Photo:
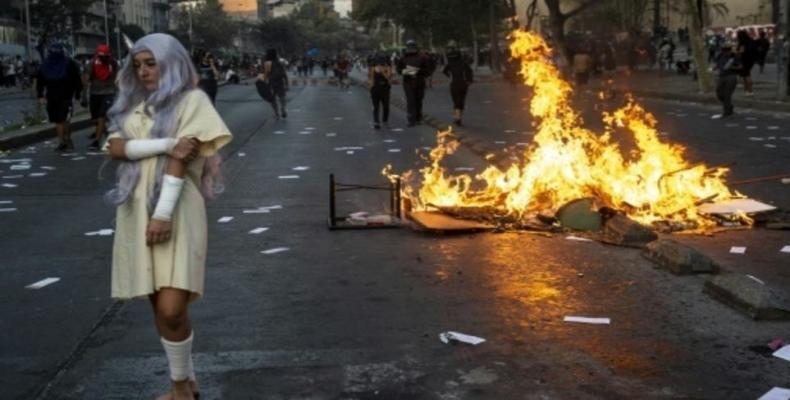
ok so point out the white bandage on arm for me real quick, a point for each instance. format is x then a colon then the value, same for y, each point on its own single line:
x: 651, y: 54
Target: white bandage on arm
x: 137, y: 149
x: 168, y: 197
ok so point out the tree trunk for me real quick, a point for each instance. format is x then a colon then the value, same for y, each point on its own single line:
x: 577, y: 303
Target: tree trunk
x: 698, y: 48
x: 532, y: 12
x: 493, y: 54
x: 475, y: 44
x: 656, y: 15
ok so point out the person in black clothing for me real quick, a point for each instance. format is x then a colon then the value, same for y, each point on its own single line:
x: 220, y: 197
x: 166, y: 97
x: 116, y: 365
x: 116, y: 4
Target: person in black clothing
x: 379, y: 75
x: 763, y: 46
x: 57, y: 84
x: 273, y: 73
x: 461, y: 76
x: 728, y: 66
x: 207, y: 70
x: 414, y: 68
x: 747, y: 51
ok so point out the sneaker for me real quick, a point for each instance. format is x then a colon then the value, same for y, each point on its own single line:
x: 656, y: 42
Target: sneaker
x: 458, y: 122
x: 94, y: 146
x: 376, y: 126
x: 749, y: 94
x: 69, y: 145
x: 285, y: 114
x: 61, y: 147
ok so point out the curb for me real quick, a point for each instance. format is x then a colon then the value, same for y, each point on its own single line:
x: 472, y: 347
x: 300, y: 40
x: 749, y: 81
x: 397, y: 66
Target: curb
x: 22, y: 137
x: 762, y: 105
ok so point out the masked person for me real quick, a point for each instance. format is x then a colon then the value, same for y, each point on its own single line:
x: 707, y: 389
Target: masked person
x: 461, y: 76
x: 273, y: 83
x: 728, y: 65
x: 166, y: 133
x: 99, y: 77
x: 414, y: 68
x: 379, y: 80
x: 57, y: 84
x: 208, y: 75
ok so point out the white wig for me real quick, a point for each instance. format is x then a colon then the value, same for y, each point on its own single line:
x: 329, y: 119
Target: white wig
x: 177, y: 76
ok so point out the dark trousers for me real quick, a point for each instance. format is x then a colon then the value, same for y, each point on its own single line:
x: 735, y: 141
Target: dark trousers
x: 380, y: 95
x: 210, y: 87
x: 725, y: 87
x: 415, y: 92
x: 458, y: 93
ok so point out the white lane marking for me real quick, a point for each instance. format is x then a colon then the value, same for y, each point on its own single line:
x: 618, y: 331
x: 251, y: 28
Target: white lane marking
x: 40, y: 284
x: 275, y: 250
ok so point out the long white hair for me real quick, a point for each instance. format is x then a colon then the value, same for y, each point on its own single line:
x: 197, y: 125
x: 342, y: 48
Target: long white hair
x: 177, y: 76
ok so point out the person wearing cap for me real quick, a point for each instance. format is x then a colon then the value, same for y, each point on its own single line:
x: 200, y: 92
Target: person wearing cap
x: 58, y: 82
x: 99, y: 77
x: 461, y: 76
x: 414, y: 68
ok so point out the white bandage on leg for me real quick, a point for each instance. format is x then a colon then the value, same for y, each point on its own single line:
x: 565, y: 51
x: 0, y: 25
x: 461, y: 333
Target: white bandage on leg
x: 168, y: 197
x: 178, y: 357
x: 137, y: 149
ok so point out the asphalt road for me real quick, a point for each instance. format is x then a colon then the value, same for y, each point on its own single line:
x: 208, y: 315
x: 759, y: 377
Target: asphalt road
x: 356, y: 314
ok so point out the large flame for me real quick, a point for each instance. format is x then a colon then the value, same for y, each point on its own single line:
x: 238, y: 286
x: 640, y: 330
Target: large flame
x: 567, y: 161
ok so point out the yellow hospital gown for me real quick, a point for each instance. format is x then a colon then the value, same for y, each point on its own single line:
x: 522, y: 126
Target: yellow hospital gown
x: 140, y: 270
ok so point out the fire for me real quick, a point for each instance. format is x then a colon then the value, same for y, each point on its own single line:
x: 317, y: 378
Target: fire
x: 566, y: 161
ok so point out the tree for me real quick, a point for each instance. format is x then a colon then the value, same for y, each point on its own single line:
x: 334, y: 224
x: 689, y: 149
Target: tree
x: 211, y: 27
x: 695, y: 10
x: 135, y: 32
x: 558, y: 18
x: 56, y: 19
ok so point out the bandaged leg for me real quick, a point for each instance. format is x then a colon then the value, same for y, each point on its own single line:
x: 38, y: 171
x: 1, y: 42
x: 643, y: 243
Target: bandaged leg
x: 179, y: 358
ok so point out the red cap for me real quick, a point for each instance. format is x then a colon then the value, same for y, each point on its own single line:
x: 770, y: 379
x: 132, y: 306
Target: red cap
x: 102, y: 50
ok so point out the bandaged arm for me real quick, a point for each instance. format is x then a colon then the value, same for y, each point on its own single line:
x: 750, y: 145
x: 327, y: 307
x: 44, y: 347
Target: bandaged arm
x: 172, y: 185
x: 137, y: 149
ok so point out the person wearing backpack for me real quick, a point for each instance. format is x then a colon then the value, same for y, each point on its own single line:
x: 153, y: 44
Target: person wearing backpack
x: 275, y: 80
x: 99, y: 77
x: 379, y: 80
x: 59, y: 82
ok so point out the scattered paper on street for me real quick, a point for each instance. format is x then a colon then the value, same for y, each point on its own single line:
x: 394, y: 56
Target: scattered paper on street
x: 394, y: 150
x: 37, y: 174
x: 578, y: 239
x: 48, y: 168
x: 279, y: 132
x: 450, y: 336
x: 756, y: 279
x: 288, y: 177
x: 734, y: 206
x: 783, y: 353
x: 7, y: 209
x: 770, y: 146
x: 6, y: 202
x: 785, y: 249
x: 738, y: 250
x: 300, y: 168
x: 588, y: 320
x: 40, y: 284
x: 275, y: 250
x: 225, y: 219
x: 331, y: 134
x: 467, y: 169
x: 258, y: 230
x: 20, y: 167
x: 776, y: 393
x: 242, y: 154
x: 9, y: 185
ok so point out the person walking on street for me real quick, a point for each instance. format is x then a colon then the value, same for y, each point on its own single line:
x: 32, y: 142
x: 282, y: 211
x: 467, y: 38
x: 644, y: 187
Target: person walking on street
x: 379, y: 80
x: 208, y: 74
x: 11, y: 73
x: 461, y: 76
x: 413, y: 67
x: 763, y: 47
x: 728, y: 66
x: 166, y: 133
x: 275, y: 79
x: 747, y: 53
x: 343, y: 68
x: 99, y: 77
x: 57, y: 84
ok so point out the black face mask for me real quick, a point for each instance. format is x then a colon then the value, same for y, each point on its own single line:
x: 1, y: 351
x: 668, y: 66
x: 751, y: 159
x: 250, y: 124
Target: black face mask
x: 104, y: 59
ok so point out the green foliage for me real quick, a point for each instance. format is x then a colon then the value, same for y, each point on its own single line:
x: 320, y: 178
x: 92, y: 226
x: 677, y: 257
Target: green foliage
x: 54, y: 18
x: 212, y: 28
x: 134, y: 32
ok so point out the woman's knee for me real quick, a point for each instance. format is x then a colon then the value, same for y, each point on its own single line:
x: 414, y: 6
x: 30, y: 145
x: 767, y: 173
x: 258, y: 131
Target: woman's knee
x: 171, y: 315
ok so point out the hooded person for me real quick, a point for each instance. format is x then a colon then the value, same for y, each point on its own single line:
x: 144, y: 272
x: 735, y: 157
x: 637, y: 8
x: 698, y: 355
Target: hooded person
x: 166, y: 134
x: 414, y: 67
x: 99, y: 76
x: 461, y: 76
x: 57, y: 84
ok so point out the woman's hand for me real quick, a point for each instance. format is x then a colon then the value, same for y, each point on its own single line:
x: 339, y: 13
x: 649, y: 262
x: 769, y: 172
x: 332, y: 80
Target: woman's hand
x: 186, y: 149
x: 157, y: 232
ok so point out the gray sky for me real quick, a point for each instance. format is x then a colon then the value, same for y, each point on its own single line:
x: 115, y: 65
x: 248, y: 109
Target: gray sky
x: 343, y: 7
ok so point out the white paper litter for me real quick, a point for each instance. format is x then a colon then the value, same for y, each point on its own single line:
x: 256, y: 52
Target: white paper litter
x: 751, y: 127
x: 7, y: 209
x: 738, y: 250
x: 274, y: 207
x: 756, y: 279
x: 101, y: 232
x: 773, y: 128
x: 306, y: 133
x: 756, y: 139
x: 300, y: 168
x: 258, y: 230
x: 785, y: 249
x: 331, y: 134
x: 350, y: 152
x: 9, y: 185
x: 13, y: 176
x: 256, y: 211
x: 389, y: 140
x: 37, y: 174
x: 397, y: 129
x: 345, y: 148
x: 735, y: 206
x: 40, y: 284
x: 288, y: 177
x: 78, y: 158
x: 20, y: 167
x: 776, y: 393
x: 48, y: 168
x: 770, y: 146
x: 448, y: 336
x: 338, y: 118
x: 275, y: 250
x: 309, y: 128
x: 242, y: 154
x: 468, y: 169
x: 783, y: 353
x: 6, y: 202
x: 279, y: 132
x: 588, y: 320
x: 394, y: 150
x: 225, y: 220
x: 578, y: 239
